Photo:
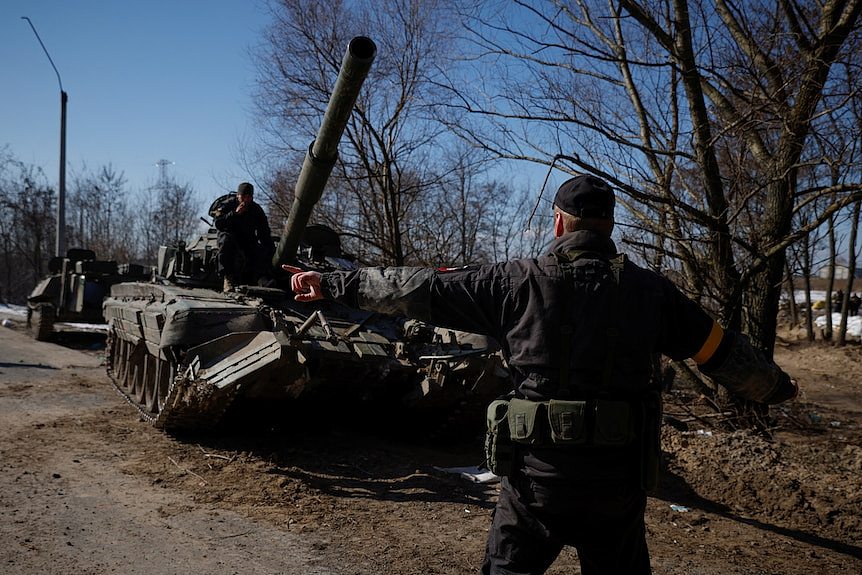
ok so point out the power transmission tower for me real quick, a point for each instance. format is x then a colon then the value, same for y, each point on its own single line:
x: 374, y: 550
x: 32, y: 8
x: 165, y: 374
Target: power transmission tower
x: 164, y: 180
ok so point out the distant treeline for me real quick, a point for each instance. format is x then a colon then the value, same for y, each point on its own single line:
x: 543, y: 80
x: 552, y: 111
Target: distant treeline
x: 101, y: 215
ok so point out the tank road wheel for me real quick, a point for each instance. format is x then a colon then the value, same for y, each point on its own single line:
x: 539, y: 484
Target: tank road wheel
x: 117, y: 362
x: 143, y: 379
x: 126, y: 368
x: 135, y: 371
x: 122, y: 364
x: 166, y: 371
x: 151, y: 384
x: 131, y: 377
x: 40, y: 320
x: 111, y: 348
x: 119, y: 359
x: 138, y: 382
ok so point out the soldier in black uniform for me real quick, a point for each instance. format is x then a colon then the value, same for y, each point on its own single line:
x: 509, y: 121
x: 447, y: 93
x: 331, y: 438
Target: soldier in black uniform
x: 581, y: 328
x: 244, y: 240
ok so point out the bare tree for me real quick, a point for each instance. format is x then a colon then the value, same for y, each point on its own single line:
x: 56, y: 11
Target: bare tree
x: 99, y: 216
x: 851, y: 268
x: 27, y: 207
x: 456, y: 220
x: 836, y: 152
x: 167, y: 214
x: 514, y: 230
x: 803, y: 262
x: 394, y: 184
x: 853, y: 152
x: 701, y: 114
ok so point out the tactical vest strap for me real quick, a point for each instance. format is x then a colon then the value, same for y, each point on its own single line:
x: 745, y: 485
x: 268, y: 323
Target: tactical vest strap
x: 566, y: 351
x: 612, y: 333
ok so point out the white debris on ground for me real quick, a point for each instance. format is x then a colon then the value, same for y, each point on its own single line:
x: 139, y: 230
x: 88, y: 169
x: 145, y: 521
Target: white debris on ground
x: 474, y: 474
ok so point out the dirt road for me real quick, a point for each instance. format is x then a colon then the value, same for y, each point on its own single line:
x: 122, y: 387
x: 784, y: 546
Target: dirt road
x: 86, y: 487
x: 69, y: 502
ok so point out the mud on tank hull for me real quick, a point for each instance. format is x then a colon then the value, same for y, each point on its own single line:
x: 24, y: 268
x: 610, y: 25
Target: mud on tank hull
x: 183, y: 356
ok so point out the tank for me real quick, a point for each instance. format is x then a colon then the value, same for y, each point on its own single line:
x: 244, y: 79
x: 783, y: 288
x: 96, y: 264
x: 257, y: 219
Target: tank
x: 184, y: 353
x: 74, y: 289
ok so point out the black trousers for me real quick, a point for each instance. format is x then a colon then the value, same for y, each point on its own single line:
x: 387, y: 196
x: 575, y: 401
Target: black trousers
x: 532, y: 522
x: 245, y: 262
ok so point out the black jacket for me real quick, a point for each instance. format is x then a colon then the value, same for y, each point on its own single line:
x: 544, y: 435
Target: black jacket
x: 617, y: 329
x: 249, y: 228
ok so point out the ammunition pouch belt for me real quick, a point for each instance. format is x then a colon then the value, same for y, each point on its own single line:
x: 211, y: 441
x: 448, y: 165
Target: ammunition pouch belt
x: 558, y: 423
x: 498, y: 443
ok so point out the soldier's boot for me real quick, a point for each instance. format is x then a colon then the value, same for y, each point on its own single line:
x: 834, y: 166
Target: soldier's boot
x: 228, y: 284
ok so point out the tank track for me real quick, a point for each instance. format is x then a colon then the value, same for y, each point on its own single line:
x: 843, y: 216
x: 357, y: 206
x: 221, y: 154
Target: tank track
x: 175, y: 401
x: 40, y: 321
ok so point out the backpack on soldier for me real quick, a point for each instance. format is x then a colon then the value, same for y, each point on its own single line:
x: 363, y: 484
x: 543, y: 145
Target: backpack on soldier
x: 220, y: 206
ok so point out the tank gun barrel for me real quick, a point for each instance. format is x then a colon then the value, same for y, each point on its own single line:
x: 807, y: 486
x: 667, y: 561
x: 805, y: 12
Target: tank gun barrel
x: 323, y: 152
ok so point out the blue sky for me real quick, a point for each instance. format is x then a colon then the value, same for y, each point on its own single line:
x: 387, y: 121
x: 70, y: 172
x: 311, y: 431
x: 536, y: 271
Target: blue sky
x: 147, y: 80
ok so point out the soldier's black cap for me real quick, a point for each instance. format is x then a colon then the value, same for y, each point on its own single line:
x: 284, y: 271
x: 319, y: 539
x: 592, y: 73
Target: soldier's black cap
x: 245, y: 189
x: 587, y: 197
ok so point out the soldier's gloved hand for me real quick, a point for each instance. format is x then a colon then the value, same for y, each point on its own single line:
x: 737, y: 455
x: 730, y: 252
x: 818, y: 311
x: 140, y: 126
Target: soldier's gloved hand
x: 748, y: 373
x: 787, y: 388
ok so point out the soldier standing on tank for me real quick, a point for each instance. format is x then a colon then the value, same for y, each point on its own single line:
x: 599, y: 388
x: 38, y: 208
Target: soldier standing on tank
x: 244, y: 240
x: 581, y: 328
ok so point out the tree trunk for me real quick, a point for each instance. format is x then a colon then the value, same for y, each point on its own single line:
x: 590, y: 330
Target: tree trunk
x: 764, y: 290
x: 827, y: 334
x: 761, y: 309
x: 792, y: 310
x: 851, y: 267
x: 806, y: 278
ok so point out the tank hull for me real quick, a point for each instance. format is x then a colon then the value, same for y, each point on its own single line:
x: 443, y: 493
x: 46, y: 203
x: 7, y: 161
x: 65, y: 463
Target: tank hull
x: 74, y: 290
x: 183, y: 356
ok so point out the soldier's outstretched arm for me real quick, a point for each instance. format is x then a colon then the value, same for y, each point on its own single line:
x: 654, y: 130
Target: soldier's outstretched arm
x: 414, y: 292
x: 396, y: 290
x: 729, y: 359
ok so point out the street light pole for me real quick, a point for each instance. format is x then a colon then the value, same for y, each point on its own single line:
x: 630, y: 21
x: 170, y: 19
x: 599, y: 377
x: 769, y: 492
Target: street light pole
x: 61, y: 196
x: 60, y: 245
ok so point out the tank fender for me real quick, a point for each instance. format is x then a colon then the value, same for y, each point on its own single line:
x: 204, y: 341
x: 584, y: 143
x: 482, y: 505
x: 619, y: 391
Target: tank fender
x: 47, y: 290
x: 233, y: 359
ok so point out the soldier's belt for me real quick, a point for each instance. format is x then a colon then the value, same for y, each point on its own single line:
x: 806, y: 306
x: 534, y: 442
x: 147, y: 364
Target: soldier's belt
x: 556, y: 422
x: 573, y: 424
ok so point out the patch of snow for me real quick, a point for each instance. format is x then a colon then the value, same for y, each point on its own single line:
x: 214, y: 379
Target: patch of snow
x: 854, y: 323
x: 15, y: 310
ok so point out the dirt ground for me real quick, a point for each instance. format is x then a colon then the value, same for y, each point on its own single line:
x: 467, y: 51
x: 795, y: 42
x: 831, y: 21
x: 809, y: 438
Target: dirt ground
x: 86, y: 487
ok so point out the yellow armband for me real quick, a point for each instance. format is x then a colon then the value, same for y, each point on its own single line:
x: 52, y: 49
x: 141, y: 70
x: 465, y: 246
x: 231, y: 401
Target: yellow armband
x: 710, y: 345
